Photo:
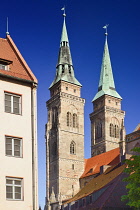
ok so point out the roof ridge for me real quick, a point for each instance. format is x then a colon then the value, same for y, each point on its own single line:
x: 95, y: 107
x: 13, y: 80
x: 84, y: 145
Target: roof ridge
x: 28, y: 70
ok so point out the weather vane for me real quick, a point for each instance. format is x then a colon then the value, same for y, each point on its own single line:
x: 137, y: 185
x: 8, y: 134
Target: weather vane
x: 64, y: 14
x: 105, y: 27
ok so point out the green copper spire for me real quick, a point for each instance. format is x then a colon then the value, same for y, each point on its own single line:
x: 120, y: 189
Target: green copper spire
x: 64, y: 68
x: 106, y: 82
x: 64, y: 36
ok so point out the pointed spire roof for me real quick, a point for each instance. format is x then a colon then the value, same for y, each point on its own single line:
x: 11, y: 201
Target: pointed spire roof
x: 64, y: 36
x: 106, y: 82
x: 64, y: 68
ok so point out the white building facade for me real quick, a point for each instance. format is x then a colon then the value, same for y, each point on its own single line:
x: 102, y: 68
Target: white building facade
x: 18, y: 131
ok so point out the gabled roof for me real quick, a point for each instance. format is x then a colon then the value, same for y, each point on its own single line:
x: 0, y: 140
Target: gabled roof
x: 92, y: 165
x: 99, y: 182
x: 18, y: 67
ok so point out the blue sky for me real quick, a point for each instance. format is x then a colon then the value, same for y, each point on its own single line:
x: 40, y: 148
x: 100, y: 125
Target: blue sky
x: 35, y: 26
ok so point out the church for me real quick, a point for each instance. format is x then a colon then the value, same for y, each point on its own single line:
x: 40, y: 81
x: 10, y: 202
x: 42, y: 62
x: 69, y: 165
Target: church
x: 67, y: 172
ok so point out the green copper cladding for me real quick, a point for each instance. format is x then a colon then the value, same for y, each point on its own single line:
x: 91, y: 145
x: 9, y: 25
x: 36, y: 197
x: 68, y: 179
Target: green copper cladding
x: 106, y: 82
x: 64, y: 68
x: 64, y: 36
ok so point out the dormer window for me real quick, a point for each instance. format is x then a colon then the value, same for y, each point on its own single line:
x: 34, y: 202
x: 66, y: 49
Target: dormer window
x: 4, y: 64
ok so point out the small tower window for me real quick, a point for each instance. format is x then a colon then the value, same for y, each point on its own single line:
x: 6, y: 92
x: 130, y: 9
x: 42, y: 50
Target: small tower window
x: 54, y: 116
x: 74, y: 120
x: 111, y: 130
x: 66, y: 88
x: 72, y: 148
x: 98, y: 131
x: 69, y: 120
x: 116, y: 131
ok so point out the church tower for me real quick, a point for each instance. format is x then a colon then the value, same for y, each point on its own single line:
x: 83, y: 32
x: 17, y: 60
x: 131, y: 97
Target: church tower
x: 64, y: 129
x: 107, y: 119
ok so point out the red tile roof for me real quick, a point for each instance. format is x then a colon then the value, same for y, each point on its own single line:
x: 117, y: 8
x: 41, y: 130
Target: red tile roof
x: 92, y: 165
x: 99, y: 182
x: 18, y: 68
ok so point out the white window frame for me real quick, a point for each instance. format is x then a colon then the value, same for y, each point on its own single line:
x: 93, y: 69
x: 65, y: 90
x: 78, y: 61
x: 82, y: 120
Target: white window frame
x: 13, y: 185
x: 12, y: 95
x: 4, y: 67
x: 13, y: 144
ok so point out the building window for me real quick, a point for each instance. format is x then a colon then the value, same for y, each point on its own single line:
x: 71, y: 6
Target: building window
x: 13, y: 146
x: 54, y: 116
x: 69, y: 120
x: 12, y: 103
x: 111, y: 130
x: 98, y: 130
x: 66, y: 88
x: 73, y: 148
x: 4, y: 67
x: 13, y: 188
x: 74, y: 120
x: 74, y: 90
x: 116, y: 131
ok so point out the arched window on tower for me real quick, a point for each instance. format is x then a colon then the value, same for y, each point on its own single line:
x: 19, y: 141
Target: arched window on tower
x: 116, y: 131
x: 98, y: 130
x: 111, y: 130
x: 74, y: 120
x: 72, y: 148
x: 54, y: 116
x: 69, y: 120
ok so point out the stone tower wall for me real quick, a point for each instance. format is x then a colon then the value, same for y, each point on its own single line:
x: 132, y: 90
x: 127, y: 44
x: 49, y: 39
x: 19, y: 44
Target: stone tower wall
x: 65, y: 168
x: 107, y: 110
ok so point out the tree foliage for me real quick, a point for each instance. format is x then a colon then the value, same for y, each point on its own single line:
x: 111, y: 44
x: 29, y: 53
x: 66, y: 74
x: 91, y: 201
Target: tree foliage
x: 133, y: 186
